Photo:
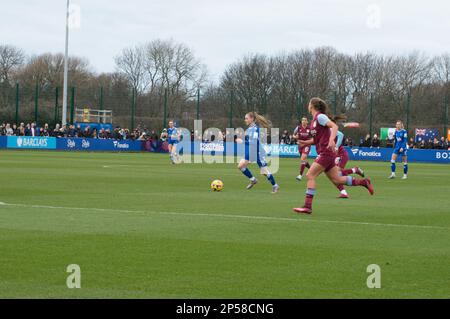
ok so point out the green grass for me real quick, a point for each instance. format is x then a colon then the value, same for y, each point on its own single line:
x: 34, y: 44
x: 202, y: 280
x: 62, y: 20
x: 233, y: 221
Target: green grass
x: 142, y: 228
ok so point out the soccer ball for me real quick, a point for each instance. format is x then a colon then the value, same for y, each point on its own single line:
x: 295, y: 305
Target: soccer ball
x: 217, y: 185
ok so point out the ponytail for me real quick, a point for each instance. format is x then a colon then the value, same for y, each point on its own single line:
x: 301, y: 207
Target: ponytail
x: 338, y: 118
x: 260, y: 120
x: 321, y: 106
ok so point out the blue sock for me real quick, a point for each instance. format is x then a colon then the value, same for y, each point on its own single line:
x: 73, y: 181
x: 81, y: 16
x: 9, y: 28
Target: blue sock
x: 405, y: 169
x: 393, y: 167
x: 247, y: 173
x: 271, y: 179
x: 349, y: 181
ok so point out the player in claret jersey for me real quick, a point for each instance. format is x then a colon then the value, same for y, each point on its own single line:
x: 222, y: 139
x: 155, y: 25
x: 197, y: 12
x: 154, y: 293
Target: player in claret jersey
x: 341, y: 161
x: 302, y: 133
x: 324, y: 132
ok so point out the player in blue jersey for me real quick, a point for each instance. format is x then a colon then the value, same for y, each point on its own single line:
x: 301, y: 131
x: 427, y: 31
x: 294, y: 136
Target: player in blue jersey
x: 400, y: 149
x: 254, y: 150
x: 173, y: 139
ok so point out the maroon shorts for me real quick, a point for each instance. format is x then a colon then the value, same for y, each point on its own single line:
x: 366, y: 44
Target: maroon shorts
x: 342, y: 158
x: 304, y: 150
x: 327, y: 160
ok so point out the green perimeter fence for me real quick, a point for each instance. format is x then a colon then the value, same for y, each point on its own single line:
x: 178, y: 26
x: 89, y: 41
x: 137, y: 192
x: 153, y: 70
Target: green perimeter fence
x: 44, y: 105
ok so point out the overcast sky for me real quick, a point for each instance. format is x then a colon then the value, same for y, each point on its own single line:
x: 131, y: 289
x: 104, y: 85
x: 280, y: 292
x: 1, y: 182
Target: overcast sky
x: 219, y: 32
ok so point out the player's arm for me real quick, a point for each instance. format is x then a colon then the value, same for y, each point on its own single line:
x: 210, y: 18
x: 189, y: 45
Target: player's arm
x: 405, y: 140
x: 325, y: 121
x: 306, y: 142
x: 340, y: 139
x: 334, y: 129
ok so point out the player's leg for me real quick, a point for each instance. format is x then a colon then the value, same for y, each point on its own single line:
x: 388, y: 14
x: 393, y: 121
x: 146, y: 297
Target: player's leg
x: 170, y: 153
x: 174, y: 153
x: 243, y: 167
x: 393, y: 166
x: 337, y: 179
x: 353, y: 170
x: 314, y: 171
x: 265, y: 171
x: 342, y: 192
x: 405, y: 166
x: 303, y: 164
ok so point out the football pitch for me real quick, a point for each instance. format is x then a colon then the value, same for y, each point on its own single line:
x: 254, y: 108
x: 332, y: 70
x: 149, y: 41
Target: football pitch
x: 139, y: 227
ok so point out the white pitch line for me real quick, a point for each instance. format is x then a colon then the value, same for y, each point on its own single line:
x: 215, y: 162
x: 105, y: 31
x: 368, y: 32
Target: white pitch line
x: 266, y: 218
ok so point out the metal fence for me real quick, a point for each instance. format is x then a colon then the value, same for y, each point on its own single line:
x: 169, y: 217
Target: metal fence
x: 44, y: 105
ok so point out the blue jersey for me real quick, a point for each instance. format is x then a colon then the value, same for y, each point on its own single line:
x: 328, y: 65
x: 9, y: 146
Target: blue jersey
x: 401, y: 139
x: 173, y: 137
x: 254, y: 150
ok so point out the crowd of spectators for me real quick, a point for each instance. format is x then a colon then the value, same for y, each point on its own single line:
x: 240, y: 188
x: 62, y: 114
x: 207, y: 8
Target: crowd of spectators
x: 69, y: 131
x: 144, y: 134
x: 375, y: 142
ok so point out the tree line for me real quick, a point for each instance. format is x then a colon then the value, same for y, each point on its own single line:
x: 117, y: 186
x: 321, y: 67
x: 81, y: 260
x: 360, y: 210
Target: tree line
x: 369, y: 88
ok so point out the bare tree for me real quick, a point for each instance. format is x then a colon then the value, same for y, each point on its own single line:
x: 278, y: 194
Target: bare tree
x: 11, y: 58
x: 441, y: 68
x: 47, y: 71
x: 131, y: 62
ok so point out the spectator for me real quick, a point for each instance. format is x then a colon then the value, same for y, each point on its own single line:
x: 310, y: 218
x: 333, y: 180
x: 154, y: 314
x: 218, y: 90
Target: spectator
x: 443, y: 144
x: 349, y: 142
x: 72, y: 132
x: 16, y: 130
x: 389, y: 142
x: 436, y: 144
x: 33, y: 131
x: 285, y: 139
x: 56, y: 131
x: 87, y: 132
x: 8, y: 130
x: 45, y: 131
x: 22, y: 129
x: 102, y: 135
x: 28, y: 129
x: 375, y: 141
x: 164, y: 135
x: 422, y: 144
x: 143, y: 137
x: 411, y: 143
x: 367, y: 141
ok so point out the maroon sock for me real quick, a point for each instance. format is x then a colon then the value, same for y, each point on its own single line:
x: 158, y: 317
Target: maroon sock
x: 308, y: 201
x: 359, y: 182
x: 340, y: 187
x: 307, y: 165
x: 302, y: 168
x: 346, y: 172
